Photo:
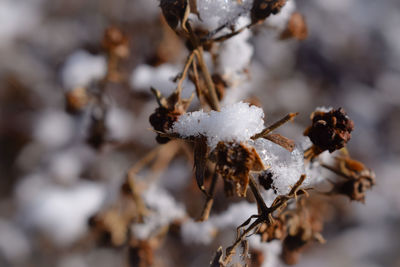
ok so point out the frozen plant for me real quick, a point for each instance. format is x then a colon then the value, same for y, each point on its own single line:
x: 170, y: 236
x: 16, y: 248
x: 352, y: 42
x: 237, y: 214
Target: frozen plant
x: 227, y: 143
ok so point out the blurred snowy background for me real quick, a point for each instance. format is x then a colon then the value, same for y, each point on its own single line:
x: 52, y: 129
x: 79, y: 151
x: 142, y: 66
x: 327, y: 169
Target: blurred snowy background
x: 52, y: 181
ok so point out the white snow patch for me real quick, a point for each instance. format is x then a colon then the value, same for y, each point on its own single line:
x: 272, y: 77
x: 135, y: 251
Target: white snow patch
x: 82, y: 68
x: 14, y: 245
x: 164, y: 210
x: 17, y: 18
x: 286, y: 167
x: 161, y: 78
x: 234, y: 57
x: 215, y: 13
x: 237, y: 122
x: 204, y: 232
x: 59, y: 212
x: 120, y: 123
x: 54, y: 128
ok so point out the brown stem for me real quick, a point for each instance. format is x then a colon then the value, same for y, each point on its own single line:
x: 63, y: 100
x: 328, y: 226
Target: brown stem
x: 210, y: 199
x: 257, y: 195
x: 275, y: 125
x: 207, y: 77
x: 183, y: 75
x: 230, y: 251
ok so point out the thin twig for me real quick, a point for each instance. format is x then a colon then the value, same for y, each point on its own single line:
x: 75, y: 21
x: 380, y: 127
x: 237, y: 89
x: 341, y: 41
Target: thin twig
x: 183, y: 75
x: 275, y: 125
x: 210, y: 199
x: 207, y: 77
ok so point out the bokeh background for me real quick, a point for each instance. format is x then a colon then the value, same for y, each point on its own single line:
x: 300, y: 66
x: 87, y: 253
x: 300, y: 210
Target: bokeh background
x: 52, y: 181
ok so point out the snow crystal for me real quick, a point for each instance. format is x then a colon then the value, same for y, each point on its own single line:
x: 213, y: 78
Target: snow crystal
x: 82, y: 68
x: 237, y: 122
x: 163, y: 210
x: 323, y: 109
x: 215, y: 13
x: 286, y: 167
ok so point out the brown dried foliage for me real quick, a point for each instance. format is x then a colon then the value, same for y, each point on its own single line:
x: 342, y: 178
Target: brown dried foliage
x: 264, y: 8
x: 234, y: 163
x: 296, y: 28
x: 330, y: 130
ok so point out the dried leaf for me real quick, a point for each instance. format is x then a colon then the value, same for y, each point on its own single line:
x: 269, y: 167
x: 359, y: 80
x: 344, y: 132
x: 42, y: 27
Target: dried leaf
x: 263, y: 8
x: 200, y: 159
x: 216, y: 262
x: 281, y: 140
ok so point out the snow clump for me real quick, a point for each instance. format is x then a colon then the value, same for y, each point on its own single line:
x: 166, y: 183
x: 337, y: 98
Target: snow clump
x: 234, y: 123
x: 215, y: 13
x: 82, y: 68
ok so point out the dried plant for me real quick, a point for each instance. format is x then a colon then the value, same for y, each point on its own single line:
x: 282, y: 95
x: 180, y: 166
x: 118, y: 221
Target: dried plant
x: 216, y: 155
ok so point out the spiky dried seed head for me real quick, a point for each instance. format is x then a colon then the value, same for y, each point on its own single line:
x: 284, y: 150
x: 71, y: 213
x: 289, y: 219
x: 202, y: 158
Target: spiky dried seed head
x: 264, y: 8
x: 162, y: 120
x: 234, y: 163
x: 173, y: 11
x: 330, y: 130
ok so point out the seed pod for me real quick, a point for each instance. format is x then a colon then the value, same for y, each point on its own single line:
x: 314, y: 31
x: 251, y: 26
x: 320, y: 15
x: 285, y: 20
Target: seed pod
x: 273, y: 231
x: 263, y: 8
x: 173, y: 11
x: 115, y: 42
x: 162, y: 119
x: 330, y: 130
x: 234, y: 163
x: 296, y: 28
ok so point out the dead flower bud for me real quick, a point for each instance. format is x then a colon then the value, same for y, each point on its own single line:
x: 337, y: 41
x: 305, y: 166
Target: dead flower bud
x: 263, y: 8
x: 76, y: 99
x: 330, y: 130
x: 141, y: 254
x: 115, y: 42
x: 257, y: 258
x: 275, y: 230
x: 234, y: 163
x: 359, y: 179
x: 162, y: 119
x: 303, y: 227
x: 173, y: 11
x: 167, y: 113
x: 296, y: 28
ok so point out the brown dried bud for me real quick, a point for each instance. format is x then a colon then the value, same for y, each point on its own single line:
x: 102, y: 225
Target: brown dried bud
x: 275, y: 230
x: 359, y: 179
x: 330, y: 130
x: 173, y: 11
x: 115, y: 42
x: 234, y: 163
x: 257, y: 258
x: 354, y: 189
x: 162, y: 120
x: 97, y: 132
x: 263, y: 8
x: 141, y: 254
x: 292, y: 247
x: 76, y: 99
x: 296, y: 28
